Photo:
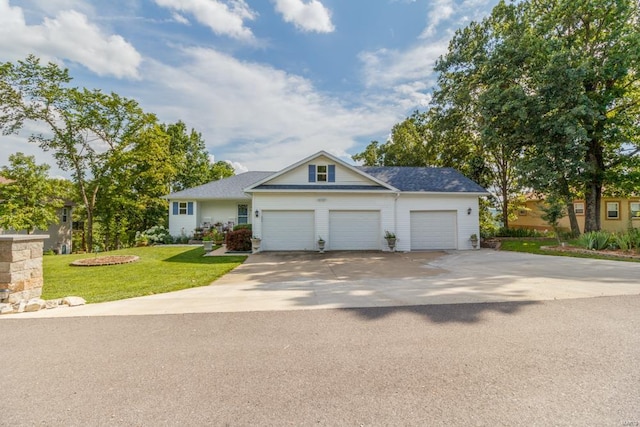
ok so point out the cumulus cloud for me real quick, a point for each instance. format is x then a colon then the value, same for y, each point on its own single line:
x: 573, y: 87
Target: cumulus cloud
x: 309, y: 16
x: 179, y: 18
x: 244, y: 108
x: 440, y: 10
x: 69, y: 35
x: 223, y: 18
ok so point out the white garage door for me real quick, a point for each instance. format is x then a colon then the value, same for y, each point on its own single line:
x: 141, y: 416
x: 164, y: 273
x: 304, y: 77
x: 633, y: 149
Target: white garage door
x: 288, y: 231
x: 354, y: 230
x: 433, y: 230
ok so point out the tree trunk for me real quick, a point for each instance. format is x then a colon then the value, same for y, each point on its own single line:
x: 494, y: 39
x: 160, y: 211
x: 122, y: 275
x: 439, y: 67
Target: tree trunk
x: 573, y: 220
x: 593, y: 196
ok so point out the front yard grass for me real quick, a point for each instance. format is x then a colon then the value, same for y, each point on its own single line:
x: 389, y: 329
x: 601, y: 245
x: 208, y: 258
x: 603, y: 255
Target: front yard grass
x: 532, y: 246
x: 160, y: 269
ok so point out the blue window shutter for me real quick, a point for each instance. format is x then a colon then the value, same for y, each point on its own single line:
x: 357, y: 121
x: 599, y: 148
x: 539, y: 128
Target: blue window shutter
x: 175, y: 208
x: 332, y: 173
x: 312, y: 173
x: 190, y: 208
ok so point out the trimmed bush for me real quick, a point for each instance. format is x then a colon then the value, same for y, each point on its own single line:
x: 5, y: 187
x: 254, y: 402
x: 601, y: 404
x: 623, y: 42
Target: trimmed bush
x: 239, y: 240
x: 242, y: 227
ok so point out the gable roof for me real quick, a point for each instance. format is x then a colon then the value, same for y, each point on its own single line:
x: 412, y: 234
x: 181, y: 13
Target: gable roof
x: 395, y: 178
x: 226, y: 188
x: 424, y: 179
x: 263, y: 184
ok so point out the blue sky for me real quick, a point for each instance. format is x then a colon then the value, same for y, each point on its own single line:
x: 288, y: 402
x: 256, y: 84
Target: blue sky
x: 266, y: 82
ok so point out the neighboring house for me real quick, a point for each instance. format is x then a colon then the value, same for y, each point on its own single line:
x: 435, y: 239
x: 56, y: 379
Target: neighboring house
x: 616, y: 214
x: 350, y: 207
x: 59, y: 234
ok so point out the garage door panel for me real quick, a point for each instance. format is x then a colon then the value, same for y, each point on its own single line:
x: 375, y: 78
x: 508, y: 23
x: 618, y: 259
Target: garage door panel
x: 354, y: 230
x: 288, y: 230
x: 433, y: 230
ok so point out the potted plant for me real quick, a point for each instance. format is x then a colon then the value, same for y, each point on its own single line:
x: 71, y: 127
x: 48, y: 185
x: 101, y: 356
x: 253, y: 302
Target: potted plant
x: 255, y: 244
x: 218, y: 237
x: 474, y: 240
x: 207, y: 243
x: 391, y: 240
x: 321, y: 243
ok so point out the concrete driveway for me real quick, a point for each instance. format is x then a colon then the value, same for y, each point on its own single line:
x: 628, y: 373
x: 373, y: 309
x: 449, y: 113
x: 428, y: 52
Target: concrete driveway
x: 298, y: 281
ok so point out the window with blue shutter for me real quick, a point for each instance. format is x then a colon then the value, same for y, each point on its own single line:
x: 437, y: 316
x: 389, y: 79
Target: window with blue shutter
x: 190, y: 208
x: 312, y: 173
x: 332, y: 173
x: 175, y: 208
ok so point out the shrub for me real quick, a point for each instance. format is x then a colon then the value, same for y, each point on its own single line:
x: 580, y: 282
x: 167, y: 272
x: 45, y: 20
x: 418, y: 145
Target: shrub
x: 519, y: 232
x: 242, y: 227
x: 239, y: 240
x: 595, y: 240
x: 154, y: 235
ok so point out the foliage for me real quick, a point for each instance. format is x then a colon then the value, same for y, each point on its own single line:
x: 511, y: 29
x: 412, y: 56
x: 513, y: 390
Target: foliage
x: 595, y: 240
x: 190, y: 158
x: 519, y: 232
x: 31, y: 199
x: 120, y: 159
x: 239, y: 240
x: 154, y: 235
x: 160, y: 269
x: 389, y: 235
x: 534, y: 247
x: 553, y: 211
x: 242, y: 227
x: 601, y: 240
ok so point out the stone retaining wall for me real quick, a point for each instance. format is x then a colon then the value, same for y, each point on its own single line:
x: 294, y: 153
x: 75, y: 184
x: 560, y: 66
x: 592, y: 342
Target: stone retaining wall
x: 21, y: 266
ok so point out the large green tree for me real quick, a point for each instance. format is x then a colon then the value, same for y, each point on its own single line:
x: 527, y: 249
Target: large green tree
x: 86, y: 127
x: 191, y: 159
x: 551, y: 87
x: 30, y: 200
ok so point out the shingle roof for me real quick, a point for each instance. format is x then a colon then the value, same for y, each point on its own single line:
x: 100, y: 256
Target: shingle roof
x: 227, y: 188
x: 414, y: 179
x: 417, y: 179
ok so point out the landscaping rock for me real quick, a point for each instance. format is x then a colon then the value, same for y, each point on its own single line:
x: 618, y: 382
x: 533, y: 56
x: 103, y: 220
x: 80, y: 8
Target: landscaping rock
x: 6, y: 308
x: 35, y: 304
x: 20, y: 306
x: 53, y: 303
x: 73, y: 301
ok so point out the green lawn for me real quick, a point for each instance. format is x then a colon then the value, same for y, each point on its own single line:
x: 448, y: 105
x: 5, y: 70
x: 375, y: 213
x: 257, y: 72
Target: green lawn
x: 160, y: 269
x: 533, y: 247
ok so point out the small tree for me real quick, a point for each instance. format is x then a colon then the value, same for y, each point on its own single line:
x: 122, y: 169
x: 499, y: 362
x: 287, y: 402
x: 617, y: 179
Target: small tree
x: 554, y: 210
x: 30, y: 200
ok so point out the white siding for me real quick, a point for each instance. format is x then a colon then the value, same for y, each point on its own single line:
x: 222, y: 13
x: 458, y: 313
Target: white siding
x: 354, y: 230
x: 182, y: 224
x: 467, y: 224
x: 321, y: 204
x: 300, y: 175
x: 433, y: 230
x: 288, y: 231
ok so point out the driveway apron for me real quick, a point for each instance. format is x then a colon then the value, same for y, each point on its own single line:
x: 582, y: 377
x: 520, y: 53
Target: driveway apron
x: 297, y: 281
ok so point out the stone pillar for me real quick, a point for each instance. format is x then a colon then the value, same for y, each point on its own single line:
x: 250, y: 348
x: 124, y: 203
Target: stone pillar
x: 21, y: 265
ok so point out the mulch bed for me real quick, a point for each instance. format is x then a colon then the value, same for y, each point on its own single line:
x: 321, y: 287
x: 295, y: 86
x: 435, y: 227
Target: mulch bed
x: 607, y: 253
x: 105, y: 260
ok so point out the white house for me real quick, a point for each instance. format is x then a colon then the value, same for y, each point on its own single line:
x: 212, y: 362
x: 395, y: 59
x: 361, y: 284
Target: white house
x: 350, y: 207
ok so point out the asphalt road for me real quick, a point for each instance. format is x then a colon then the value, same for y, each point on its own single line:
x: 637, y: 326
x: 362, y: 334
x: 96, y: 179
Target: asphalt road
x: 565, y: 362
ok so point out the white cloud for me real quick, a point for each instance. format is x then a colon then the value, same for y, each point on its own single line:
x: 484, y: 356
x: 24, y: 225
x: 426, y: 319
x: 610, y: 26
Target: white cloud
x: 179, y: 18
x: 389, y: 68
x: 441, y: 10
x: 223, y: 18
x: 256, y: 115
x: 69, y: 35
x: 306, y: 16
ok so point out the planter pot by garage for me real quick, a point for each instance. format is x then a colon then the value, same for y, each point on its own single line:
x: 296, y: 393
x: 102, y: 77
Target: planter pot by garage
x: 391, y: 242
x: 207, y: 245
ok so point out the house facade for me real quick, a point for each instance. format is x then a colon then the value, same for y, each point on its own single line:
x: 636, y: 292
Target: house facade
x: 616, y: 214
x: 349, y: 207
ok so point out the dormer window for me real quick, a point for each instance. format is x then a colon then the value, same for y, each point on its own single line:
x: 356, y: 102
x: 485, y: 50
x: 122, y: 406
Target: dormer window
x: 322, y: 173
